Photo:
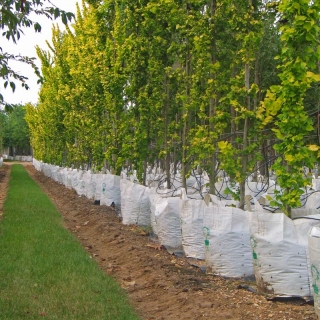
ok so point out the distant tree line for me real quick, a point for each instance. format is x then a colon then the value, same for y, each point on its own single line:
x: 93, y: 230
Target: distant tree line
x: 14, y: 131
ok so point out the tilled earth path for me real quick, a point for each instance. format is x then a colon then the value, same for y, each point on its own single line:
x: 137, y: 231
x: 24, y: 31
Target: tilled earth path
x: 159, y: 285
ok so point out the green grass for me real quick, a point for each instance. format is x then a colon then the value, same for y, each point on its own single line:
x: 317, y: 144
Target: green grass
x: 44, y: 272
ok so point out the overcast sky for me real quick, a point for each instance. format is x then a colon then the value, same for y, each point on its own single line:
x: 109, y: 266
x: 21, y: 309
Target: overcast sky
x: 26, y: 47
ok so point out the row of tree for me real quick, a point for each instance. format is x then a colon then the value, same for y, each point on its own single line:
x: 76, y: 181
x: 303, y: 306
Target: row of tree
x: 14, y: 132
x: 215, y: 84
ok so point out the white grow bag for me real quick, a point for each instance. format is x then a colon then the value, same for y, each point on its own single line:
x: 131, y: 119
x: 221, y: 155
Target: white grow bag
x: 316, y: 184
x: 167, y: 220
x: 191, y: 211
x: 61, y: 173
x: 55, y: 173
x: 87, y: 177
x: 75, y: 177
x: 94, y: 187
x: 255, y: 189
x: 84, y: 179
x: 68, y: 179
x: 227, y: 240
x: 280, y: 253
x: 38, y: 165
x: 63, y: 176
x: 135, y: 206
x: 155, y: 197
x: 109, y: 190
x: 47, y: 170
x: 314, y: 251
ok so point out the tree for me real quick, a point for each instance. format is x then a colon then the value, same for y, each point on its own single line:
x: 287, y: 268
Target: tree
x: 284, y: 104
x: 3, y: 118
x: 48, y: 136
x: 16, y: 134
x: 180, y: 82
x: 15, y: 16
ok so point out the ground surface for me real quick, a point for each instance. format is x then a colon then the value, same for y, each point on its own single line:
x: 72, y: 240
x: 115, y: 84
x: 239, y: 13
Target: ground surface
x: 159, y: 285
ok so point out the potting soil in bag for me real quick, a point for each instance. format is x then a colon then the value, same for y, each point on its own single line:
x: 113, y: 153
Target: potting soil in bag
x: 227, y: 240
x: 135, y: 206
x: 191, y: 213
x: 280, y: 253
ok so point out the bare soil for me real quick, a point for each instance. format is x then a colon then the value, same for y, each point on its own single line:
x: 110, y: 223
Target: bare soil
x: 159, y: 285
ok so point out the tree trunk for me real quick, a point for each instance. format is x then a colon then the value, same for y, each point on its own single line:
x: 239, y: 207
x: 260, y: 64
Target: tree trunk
x: 244, y: 157
x: 166, y: 124
x: 213, y: 101
x: 184, y: 168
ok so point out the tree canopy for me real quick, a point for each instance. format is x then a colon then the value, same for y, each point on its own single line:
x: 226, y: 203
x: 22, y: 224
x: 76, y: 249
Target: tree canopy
x: 16, y: 133
x: 15, y: 16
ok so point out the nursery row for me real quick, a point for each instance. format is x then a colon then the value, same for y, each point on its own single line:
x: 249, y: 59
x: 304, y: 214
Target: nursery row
x: 233, y: 242
x: 193, y: 83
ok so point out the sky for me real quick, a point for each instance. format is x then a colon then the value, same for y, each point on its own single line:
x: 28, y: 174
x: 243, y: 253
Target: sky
x: 26, y: 47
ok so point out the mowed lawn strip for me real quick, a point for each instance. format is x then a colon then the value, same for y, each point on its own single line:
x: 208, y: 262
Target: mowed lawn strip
x: 44, y: 271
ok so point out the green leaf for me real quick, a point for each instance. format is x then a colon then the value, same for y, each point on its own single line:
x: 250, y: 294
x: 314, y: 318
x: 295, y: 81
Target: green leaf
x: 56, y: 13
x: 64, y: 18
x: 313, y: 76
x: 313, y: 147
x: 288, y: 157
x: 37, y: 27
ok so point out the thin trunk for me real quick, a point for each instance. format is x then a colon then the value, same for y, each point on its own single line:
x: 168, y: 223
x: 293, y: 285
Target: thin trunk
x: 263, y: 164
x: 174, y: 153
x: 288, y: 208
x: 184, y: 169
x: 318, y: 117
x: 212, y: 102
x: 255, y: 105
x: 166, y: 125
x: 145, y: 165
x: 233, y: 114
x: 244, y: 156
x: 113, y: 169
